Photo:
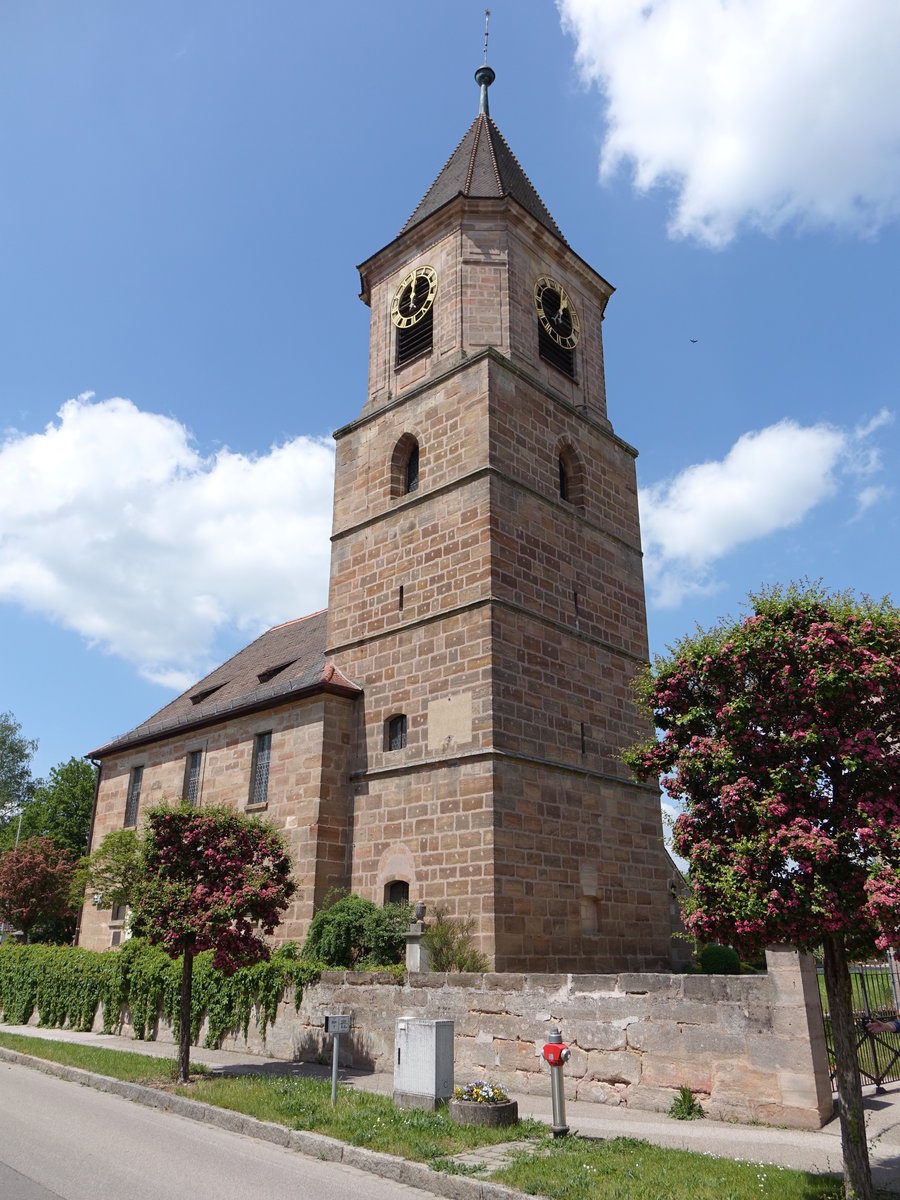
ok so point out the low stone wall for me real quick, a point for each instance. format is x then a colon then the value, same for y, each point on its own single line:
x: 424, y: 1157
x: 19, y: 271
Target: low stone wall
x: 751, y: 1047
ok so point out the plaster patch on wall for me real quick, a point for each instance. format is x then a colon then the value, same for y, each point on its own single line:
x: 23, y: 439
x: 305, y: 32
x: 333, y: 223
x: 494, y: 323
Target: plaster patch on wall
x: 450, y: 722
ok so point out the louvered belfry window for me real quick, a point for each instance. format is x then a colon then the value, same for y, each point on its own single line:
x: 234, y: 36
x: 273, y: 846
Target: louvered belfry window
x: 557, y: 356
x: 416, y: 339
x: 259, y: 775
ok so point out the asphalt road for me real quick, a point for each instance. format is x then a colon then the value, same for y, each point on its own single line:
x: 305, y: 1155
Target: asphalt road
x: 61, y: 1141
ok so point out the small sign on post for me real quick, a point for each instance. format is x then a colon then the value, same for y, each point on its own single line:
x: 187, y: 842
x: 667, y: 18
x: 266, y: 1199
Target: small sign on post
x: 336, y: 1024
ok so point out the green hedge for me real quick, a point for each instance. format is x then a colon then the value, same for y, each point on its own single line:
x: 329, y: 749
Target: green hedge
x: 66, y: 984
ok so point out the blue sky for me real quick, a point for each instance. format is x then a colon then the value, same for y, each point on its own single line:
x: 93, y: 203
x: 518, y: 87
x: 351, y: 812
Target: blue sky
x: 188, y: 188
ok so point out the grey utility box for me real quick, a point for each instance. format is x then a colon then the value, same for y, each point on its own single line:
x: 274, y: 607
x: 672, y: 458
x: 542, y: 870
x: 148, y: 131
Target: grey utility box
x: 423, y: 1062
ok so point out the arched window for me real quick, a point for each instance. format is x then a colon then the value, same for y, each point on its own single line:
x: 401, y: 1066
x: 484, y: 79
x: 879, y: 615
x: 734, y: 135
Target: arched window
x: 405, y: 467
x: 395, y: 732
x: 396, y: 892
x: 571, y: 476
x: 412, y: 471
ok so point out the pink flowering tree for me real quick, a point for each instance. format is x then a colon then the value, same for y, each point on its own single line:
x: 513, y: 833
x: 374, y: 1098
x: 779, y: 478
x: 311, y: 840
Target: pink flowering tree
x: 211, y: 879
x: 35, y: 882
x: 780, y: 736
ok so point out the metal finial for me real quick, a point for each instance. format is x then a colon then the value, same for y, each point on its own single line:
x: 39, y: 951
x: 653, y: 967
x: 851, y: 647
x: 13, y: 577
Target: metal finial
x: 484, y: 77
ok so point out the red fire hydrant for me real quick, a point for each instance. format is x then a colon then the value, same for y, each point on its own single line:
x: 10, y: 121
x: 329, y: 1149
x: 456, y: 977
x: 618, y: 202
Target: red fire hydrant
x: 556, y: 1052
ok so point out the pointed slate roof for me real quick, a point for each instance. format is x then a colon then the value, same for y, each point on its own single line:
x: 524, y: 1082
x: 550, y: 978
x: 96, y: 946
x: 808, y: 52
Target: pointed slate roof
x: 281, y: 663
x: 483, y: 166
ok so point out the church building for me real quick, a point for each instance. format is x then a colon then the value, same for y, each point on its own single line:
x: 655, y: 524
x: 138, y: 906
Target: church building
x: 449, y: 730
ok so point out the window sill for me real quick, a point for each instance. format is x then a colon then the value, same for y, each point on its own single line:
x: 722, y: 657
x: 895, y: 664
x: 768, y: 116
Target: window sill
x: 251, y: 808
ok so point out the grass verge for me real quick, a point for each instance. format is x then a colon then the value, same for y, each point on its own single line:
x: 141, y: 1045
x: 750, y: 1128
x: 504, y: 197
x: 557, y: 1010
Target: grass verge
x: 626, y: 1169
x: 360, y: 1118
x: 573, y: 1168
x: 118, y: 1064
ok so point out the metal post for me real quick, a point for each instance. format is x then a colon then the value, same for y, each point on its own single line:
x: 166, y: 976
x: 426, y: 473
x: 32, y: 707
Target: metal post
x: 558, y: 1097
x: 334, y: 1068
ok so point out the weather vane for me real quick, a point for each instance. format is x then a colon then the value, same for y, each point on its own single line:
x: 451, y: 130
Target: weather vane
x: 487, y: 17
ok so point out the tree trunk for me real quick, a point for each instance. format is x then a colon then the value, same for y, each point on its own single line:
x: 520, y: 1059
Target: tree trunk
x: 184, y: 1019
x: 857, y: 1172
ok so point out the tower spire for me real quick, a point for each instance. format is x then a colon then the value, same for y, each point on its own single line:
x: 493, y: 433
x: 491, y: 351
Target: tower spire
x: 484, y: 76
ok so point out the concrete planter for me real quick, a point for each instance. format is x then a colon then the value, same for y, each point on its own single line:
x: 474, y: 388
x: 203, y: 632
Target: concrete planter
x: 469, y: 1112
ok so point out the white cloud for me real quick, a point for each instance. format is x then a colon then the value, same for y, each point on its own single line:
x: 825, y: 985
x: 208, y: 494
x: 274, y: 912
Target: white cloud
x: 757, y: 112
x: 113, y: 525
x: 768, y: 481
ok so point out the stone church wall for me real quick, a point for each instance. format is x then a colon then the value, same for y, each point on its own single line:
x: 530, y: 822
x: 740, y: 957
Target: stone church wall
x: 752, y: 1048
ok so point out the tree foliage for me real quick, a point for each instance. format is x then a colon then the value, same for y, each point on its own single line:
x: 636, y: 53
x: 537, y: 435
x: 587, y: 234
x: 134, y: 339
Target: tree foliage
x: 114, y: 870
x: 211, y: 879
x: 780, y: 735
x: 16, y: 782
x: 350, y: 931
x: 60, y: 806
x: 35, y: 885
x: 208, y: 877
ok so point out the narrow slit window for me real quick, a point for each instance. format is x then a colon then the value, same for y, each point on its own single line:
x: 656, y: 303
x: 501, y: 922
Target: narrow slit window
x: 259, y: 771
x: 412, y: 471
x: 191, y: 791
x: 134, y: 796
x: 400, y: 599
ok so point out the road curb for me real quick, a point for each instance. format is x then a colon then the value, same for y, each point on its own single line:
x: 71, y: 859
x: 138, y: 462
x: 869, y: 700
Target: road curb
x: 312, y: 1145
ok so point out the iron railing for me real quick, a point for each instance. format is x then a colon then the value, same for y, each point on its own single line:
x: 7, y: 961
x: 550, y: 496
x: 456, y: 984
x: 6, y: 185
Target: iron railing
x: 874, y: 988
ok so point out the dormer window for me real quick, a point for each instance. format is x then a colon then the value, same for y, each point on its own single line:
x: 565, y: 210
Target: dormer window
x: 271, y: 672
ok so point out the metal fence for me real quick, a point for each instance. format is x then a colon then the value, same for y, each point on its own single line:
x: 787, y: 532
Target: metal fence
x: 875, y: 989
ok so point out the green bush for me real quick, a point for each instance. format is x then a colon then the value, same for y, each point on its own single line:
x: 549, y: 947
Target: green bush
x: 450, y: 945
x: 67, y: 984
x: 686, y: 1106
x: 719, y: 960
x: 351, y: 932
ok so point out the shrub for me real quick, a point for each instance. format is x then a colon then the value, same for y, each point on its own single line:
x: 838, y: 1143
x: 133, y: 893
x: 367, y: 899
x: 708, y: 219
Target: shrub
x: 685, y: 1106
x: 350, y: 931
x: 450, y: 945
x: 719, y: 960
x: 67, y: 984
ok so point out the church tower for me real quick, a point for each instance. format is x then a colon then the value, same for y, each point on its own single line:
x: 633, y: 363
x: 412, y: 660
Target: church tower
x: 486, y: 587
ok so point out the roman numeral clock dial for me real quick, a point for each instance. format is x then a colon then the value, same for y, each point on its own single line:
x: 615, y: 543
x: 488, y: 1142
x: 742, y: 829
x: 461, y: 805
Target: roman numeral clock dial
x: 414, y: 297
x: 556, y: 313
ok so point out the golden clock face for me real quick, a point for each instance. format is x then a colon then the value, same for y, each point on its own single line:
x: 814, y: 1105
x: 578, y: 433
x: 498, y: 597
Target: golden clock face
x: 556, y: 312
x: 414, y: 297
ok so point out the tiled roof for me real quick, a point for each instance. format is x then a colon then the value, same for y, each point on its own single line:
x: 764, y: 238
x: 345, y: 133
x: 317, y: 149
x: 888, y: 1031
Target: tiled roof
x: 286, y: 660
x: 483, y: 166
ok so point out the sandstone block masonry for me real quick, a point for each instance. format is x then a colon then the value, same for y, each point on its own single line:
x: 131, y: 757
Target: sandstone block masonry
x: 752, y: 1048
